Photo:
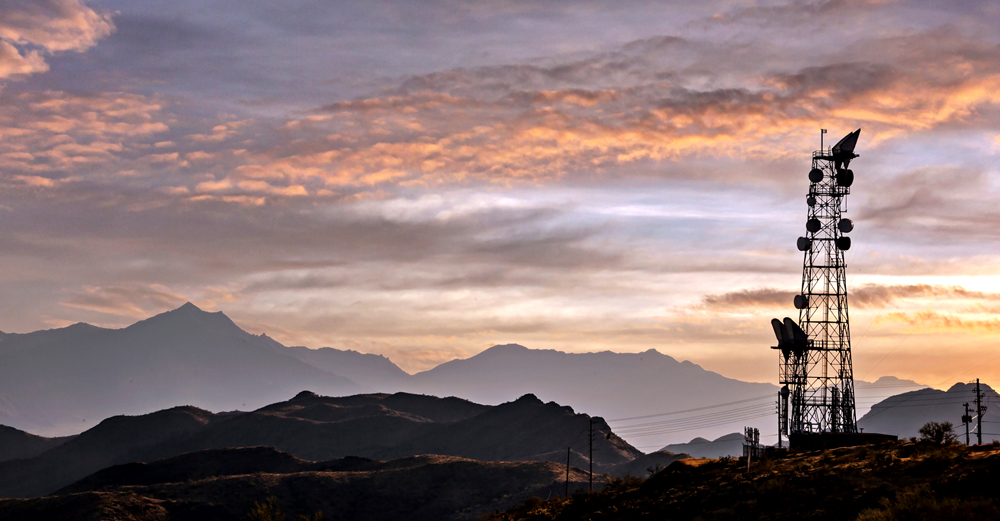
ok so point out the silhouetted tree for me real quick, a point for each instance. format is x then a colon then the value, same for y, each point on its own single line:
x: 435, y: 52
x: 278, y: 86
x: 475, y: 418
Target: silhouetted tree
x: 938, y: 432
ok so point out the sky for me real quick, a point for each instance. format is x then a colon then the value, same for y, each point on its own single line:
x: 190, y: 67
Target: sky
x: 426, y: 178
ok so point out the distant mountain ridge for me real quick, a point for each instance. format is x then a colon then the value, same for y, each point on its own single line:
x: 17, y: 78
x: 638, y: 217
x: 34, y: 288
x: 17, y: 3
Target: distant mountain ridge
x: 728, y: 445
x: 611, y: 385
x: 904, y: 414
x: 65, y: 380
x: 62, y: 381
x: 319, y: 428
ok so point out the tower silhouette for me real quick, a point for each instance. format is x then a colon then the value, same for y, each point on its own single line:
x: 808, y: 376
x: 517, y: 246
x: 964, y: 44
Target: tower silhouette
x: 815, y: 370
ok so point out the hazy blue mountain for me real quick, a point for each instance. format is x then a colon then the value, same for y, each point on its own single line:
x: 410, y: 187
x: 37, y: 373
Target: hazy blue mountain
x: 63, y: 381
x: 870, y: 393
x: 611, y: 385
x: 728, y: 445
x: 904, y: 414
x: 373, y: 371
x: 318, y: 428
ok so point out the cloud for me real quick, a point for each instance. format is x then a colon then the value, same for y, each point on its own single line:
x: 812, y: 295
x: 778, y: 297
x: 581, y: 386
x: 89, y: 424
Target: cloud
x: 934, y: 322
x: 57, y: 134
x: 117, y: 305
x: 942, y: 205
x: 866, y: 296
x: 132, y: 301
x: 749, y: 300
x: 14, y: 64
x: 49, y: 25
x: 618, y: 112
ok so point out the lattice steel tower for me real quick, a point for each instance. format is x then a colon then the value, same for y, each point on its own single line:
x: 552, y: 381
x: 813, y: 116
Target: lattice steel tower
x: 815, y: 370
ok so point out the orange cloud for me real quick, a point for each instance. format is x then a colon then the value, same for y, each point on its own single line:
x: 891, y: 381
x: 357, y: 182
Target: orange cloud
x: 448, y: 132
x: 51, y: 25
x: 932, y: 321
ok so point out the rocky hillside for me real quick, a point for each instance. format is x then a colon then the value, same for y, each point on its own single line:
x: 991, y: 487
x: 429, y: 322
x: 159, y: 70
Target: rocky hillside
x: 893, y: 481
x: 225, y: 485
x: 319, y: 428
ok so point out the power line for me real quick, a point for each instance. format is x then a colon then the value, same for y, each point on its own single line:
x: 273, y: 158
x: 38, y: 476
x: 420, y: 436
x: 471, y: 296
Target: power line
x: 692, y: 410
x: 732, y: 416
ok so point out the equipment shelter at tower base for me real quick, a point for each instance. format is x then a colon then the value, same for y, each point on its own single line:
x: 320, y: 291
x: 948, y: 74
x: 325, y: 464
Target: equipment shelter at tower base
x: 833, y: 440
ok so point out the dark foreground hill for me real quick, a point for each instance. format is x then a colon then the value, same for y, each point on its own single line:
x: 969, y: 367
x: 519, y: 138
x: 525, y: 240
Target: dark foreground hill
x: 17, y: 444
x: 894, y: 481
x: 224, y: 485
x: 317, y: 428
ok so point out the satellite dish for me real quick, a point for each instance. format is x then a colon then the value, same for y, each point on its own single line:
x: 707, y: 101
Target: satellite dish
x: 811, y: 201
x: 795, y: 332
x: 815, y: 175
x: 813, y: 225
x: 784, y: 390
x: 845, y: 178
x: 844, y: 243
x: 779, y: 331
x: 804, y: 243
x: 801, y: 302
x: 845, y: 225
x: 846, y: 145
x: 843, y: 151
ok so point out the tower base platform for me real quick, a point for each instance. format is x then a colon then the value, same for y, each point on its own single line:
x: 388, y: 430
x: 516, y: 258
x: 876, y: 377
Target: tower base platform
x: 833, y: 440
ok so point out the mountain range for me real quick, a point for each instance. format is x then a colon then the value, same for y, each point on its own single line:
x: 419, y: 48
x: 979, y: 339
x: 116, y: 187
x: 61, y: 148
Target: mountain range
x: 62, y: 381
x: 904, y: 414
x: 318, y: 428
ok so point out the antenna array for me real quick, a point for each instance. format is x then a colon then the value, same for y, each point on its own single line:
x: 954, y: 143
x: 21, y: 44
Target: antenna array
x: 814, y: 360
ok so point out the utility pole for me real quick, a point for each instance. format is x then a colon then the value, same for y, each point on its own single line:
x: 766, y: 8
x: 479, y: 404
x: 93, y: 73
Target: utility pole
x: 567, y: 466
x: 591, y: 454
x: 980, y: 409
x: 966, y: 419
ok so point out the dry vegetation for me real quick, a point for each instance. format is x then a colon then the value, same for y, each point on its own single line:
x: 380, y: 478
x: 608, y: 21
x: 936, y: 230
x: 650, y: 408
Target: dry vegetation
x: 894, y: 481
x: 431, y: 488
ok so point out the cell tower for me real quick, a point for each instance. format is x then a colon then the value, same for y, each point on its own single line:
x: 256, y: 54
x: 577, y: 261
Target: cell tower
x: 814, y: 361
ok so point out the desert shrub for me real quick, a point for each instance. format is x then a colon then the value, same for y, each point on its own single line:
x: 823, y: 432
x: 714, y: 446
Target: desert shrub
x: 938, y: 432
x: 269, y: 511
x: 532, y: 503
x: 626, y: 482
x: 266, y: 511
x: 918, y: 504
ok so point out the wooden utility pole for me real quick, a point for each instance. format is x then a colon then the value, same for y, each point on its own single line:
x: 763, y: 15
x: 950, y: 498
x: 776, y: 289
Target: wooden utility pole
x: 980, y: 409
x: 966, y: 419
x: 567, y: 470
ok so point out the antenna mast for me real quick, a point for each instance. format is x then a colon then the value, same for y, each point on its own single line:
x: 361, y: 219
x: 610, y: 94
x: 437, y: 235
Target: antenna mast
x: 815, y: 366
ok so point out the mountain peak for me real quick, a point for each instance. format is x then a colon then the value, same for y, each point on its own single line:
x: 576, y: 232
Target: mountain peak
x: 305, y: 395
x: 528, y: 398
x: 507, y: 348
x: 188, y: 316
